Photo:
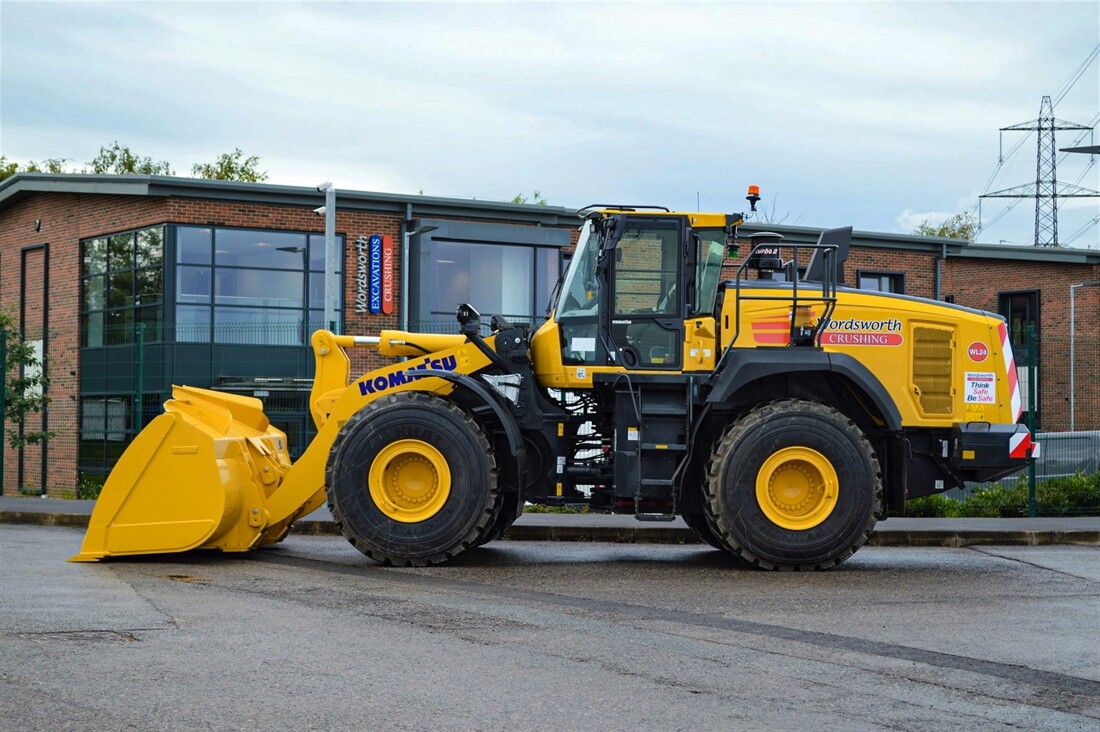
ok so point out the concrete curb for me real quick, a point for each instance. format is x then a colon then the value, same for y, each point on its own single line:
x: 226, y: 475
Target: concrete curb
x: 39, y: 518
x: 1006, y: 537
x: 596, y: 528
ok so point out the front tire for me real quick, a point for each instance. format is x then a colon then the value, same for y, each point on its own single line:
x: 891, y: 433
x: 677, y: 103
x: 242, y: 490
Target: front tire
x: 411, y: 480
x: 793, y: 485
x: 509, y: 510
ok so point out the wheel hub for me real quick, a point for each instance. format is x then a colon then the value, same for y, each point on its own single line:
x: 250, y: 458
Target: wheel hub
x: 797, y: 488
x: 409, y: 481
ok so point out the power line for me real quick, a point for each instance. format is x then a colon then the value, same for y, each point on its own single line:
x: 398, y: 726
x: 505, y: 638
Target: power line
x: 1067, y: 85
x: 1045, y: 191
x: 1084, y: 172
x: 1077, y: 74
x: 1080, y: 138
x: 999, y: 215
x: 1001, y: 160
x: 1080, y: 232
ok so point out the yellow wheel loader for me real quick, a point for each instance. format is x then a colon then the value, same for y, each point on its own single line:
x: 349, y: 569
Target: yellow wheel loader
x: 779, y: 413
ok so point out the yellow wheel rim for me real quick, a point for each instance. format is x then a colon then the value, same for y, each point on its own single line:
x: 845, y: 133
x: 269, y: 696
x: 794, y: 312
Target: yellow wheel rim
x: 797, y: 488
x: 409, y: 481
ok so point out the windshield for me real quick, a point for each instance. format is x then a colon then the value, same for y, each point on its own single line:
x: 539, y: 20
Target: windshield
x: 578, y: 293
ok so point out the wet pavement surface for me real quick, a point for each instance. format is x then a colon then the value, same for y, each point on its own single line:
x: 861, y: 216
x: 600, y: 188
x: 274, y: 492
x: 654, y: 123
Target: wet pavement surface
x: 547, y: 635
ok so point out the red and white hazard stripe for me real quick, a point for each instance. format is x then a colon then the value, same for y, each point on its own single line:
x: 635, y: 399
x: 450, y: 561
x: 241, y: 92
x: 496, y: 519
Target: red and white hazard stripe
x: 1010, y: 372
x: 1019, y: 446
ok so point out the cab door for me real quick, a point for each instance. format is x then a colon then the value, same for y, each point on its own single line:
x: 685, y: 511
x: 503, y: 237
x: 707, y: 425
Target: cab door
x: 647, y: 294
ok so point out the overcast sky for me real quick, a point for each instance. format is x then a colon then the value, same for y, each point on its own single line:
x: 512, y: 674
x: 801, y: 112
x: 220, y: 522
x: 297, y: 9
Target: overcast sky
x: 874, y: 115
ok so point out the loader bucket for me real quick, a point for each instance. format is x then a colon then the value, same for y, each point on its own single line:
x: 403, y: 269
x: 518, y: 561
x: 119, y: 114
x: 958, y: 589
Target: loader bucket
x: 198, y: 476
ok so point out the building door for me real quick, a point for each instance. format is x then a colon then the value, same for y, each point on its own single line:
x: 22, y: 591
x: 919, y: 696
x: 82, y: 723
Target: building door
x: 1021, y: 311
x: 34, y: 326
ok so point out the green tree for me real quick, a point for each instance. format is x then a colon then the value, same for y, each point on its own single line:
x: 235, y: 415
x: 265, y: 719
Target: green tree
x: 538, y: 199
x: 231, y: 166
x: 26, y: 386
x: 960, y: 226
x: 120, y: 160
x: 49, y: 165
x: 9, y: 168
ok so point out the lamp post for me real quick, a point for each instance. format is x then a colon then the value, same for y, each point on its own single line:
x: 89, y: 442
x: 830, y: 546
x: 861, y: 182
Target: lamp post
x: 405, y: 240
x: 1072, y: 324
x: 329, y: 212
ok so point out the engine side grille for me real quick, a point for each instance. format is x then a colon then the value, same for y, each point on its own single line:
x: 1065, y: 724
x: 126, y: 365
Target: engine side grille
x: 932, y: 354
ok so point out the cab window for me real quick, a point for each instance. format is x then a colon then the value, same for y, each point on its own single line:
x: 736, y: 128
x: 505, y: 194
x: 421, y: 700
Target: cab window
x: 646, y: 270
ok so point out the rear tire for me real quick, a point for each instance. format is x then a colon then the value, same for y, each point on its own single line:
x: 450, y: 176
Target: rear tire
x: 793, y: 485
x: 411, y: 480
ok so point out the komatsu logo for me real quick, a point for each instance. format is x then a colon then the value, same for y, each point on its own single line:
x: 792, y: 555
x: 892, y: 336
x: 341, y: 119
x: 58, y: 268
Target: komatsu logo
x: 397, y: 378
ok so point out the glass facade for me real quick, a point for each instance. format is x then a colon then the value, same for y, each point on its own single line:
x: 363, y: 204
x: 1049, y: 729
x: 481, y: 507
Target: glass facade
x: 250, y: 286
x: 122, y: 285
x: 491, y: 267
x: 219, y: 305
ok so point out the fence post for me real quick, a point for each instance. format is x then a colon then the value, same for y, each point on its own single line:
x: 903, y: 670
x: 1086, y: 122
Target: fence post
x: 3, y: 402
x: 139, y: 382
x: 1031, y: 379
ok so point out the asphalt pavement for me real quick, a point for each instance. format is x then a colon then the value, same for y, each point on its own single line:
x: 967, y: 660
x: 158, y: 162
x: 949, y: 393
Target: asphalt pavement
x: 558, y: 636
x: 897, y: 531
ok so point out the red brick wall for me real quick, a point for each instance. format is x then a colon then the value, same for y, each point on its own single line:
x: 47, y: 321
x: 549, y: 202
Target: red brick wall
x: 977, y: 282
x: 65, y: 220
x: 69, y: 218
x: 919, y: 268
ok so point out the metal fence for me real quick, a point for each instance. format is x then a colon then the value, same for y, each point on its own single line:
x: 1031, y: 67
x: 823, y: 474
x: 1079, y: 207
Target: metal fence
x: 1059, y: 381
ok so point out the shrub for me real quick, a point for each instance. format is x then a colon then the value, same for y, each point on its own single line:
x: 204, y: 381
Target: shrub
x: 934, y: 507
x: 1070, y: 495
x: 997, y: 501
x: 1075, y: 495
x: 89, y: 486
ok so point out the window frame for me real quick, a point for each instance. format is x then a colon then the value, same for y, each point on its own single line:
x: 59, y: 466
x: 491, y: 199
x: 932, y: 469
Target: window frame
x: 133, y: 307
x: 896, y: 278
x: 543, y: 243
x: 1005, y: 311
x: 300, y: 317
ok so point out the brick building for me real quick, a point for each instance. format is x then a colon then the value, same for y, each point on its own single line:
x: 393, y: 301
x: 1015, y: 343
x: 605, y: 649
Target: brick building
x: 129, y: 284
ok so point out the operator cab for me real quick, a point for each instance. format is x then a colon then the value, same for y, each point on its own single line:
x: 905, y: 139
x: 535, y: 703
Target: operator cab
x: 634, y: 279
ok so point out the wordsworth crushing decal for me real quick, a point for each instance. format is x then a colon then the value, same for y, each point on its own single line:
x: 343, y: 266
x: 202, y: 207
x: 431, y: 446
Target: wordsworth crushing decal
x: 844, y: 332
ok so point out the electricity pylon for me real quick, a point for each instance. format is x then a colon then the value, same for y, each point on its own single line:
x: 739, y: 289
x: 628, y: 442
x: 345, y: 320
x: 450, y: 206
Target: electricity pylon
x: 1046, y: 191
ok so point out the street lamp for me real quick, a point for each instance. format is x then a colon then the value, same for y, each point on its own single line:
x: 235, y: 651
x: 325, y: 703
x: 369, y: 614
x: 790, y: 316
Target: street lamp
x: 329, y: 212
x: 1072, y: 324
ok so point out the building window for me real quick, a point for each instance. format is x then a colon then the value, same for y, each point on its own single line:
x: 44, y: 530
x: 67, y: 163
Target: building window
x: 500, y: 270
x: 123, y: 285
x: 1021, y: 310
x: 250, y: 286
x: 106, y: 428
x: 881, y: 281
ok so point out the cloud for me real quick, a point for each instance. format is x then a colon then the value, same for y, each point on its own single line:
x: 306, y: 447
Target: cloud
x: 908, y: 220
x: 849, y: 112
